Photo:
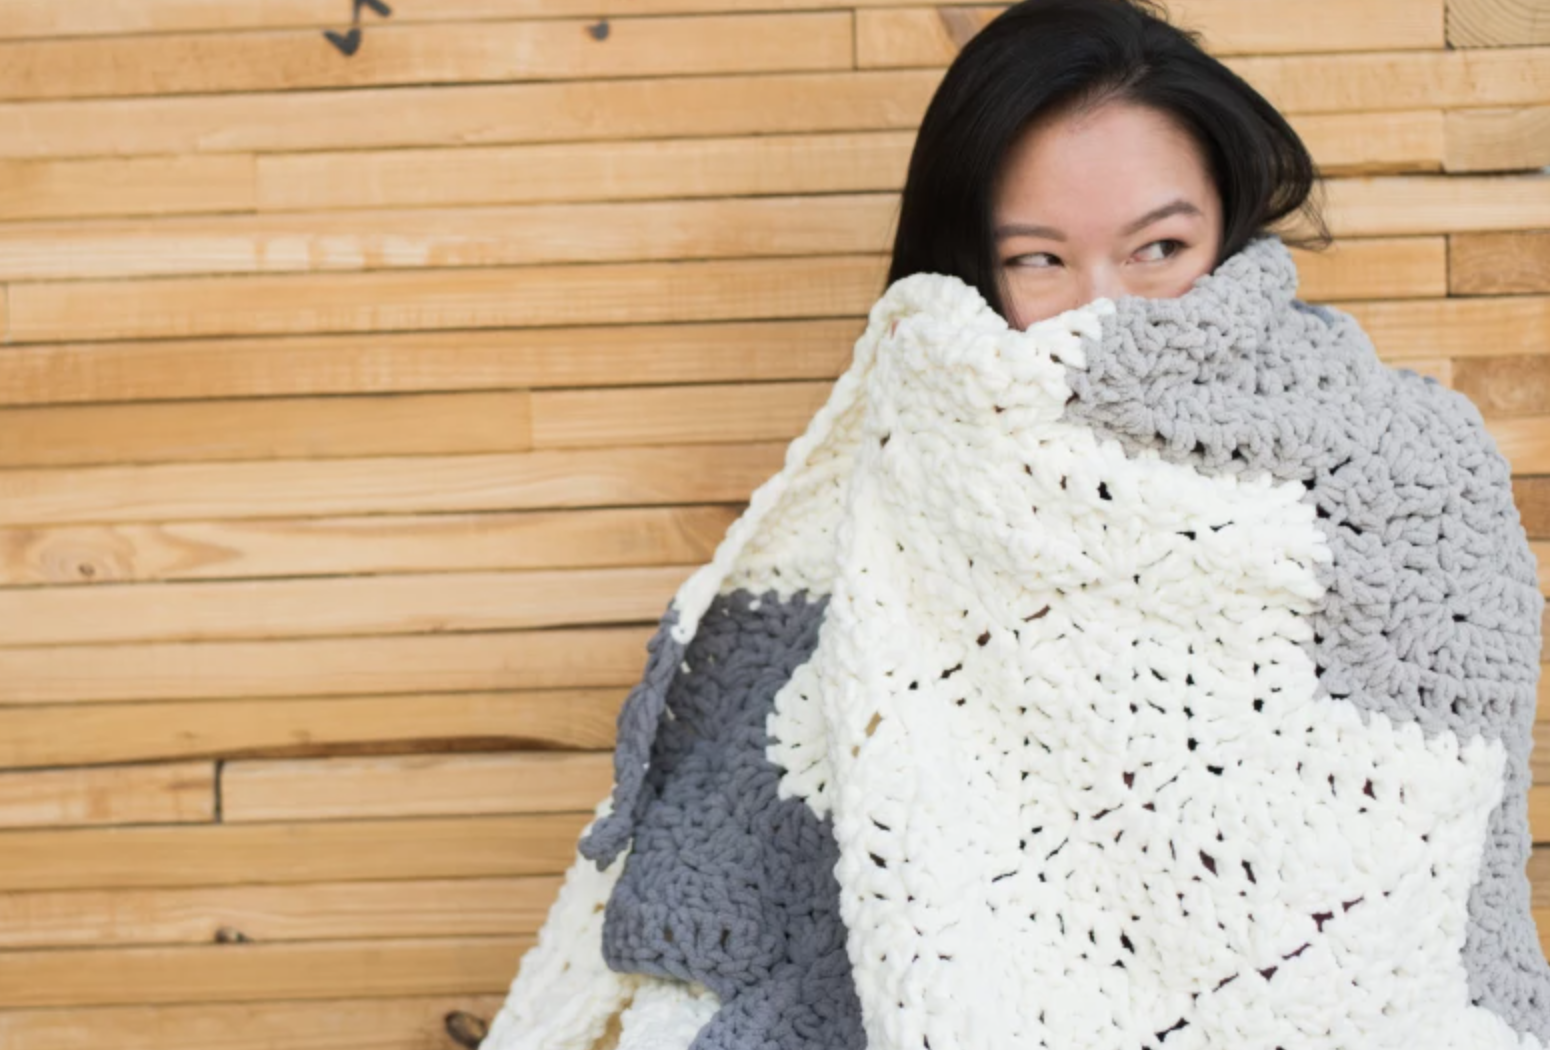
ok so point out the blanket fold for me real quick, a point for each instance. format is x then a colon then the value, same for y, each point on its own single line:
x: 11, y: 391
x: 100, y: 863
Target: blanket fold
x: 1161, y: 674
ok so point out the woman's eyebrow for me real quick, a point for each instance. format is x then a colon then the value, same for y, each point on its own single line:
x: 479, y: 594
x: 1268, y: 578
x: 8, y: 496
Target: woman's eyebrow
x: 1179, y: 206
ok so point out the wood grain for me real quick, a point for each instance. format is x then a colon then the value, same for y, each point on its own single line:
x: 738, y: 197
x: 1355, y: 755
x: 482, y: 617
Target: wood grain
x: 166, y: 64
x: 1455, y: 327
x: 538, y: 358
x: 1524, y: 440
x: 273, y: 914
x: 1532, y: 498
x: 709, y: 167
x: 21, y: 19
x: 414, y: 785
x: 169, y: 793
x: 494, y: 297
x: 273, y: 428
x: 309, y: 851
x: 420, y: 238
x: 75, y: 734
x: 1511, y: 262
x: 139, y: 186
x: 565, y: 658
x: 374, y: 543
x: 1506, y: 386
x: 675, y: 414
x: 338, y: 605
x: 925, y: 36
x: 403, y: 1023
x: 1386, y: 205
x: 1497, y: 23
x: 258, y: 972
x: 1501, y: 139
x: 551, y: 478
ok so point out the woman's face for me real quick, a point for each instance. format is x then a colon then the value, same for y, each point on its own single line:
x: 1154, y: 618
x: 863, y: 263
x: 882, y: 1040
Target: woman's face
x: 1117, y: 201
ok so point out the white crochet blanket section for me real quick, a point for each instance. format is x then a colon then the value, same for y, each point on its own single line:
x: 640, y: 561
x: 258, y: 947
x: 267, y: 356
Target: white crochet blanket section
x: 1031, y: 640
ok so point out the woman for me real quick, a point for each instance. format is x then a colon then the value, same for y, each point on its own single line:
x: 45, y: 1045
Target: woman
x: 777, y: 869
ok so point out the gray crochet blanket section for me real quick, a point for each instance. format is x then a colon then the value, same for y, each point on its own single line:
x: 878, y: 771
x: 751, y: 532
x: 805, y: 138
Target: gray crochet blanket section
x: 1431, y: 613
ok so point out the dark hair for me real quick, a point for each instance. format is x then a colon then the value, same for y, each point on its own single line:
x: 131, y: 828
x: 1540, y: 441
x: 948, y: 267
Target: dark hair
x: 1040, y: 56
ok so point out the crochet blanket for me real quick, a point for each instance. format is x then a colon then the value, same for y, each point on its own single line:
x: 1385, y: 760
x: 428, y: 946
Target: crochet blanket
x: 1159, y: 676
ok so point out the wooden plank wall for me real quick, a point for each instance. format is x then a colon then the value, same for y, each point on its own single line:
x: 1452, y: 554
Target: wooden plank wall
x: 359, y: 415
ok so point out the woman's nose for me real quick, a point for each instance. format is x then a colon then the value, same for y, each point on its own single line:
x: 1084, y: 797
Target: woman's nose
x: 1103, y: 283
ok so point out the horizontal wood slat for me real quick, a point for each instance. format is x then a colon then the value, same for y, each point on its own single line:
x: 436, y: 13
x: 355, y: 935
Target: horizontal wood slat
x: 675, y: 414
x: 288, y: 488
x: 1524, y: 440
x: 172, y: 793
x: 491, y: 421
x: 1391, y: 204
x: 1423, y: 79
x: 142, y: 186
x: 1539, y: 754
x: 619, y: 293
x: 504, y: 51
x: 1506, y: 386
x: 1364, y: 143
x: 316, y: 851
x: 377, y: 543
x: 255, y: 972
x: 269, y: 914
x: 1532, y: 497
x: 1539, y: 813
x: 671, y: 107
x: 592, y: 355
x: 1495, y: 23
x: 24, y: 19
x: 1454, y: 327
x: 72, y: 734
x: 414, y: 785
x: 927, y: 36
x: 404, y: 1023
x: 1497, y: 139
x: 583, y: 657
x: 337, y: 606
x: 623, y: 293
x: 560, y: 172
x: 1511, y: 262
x: 444, y: 238
x: 472, y: 115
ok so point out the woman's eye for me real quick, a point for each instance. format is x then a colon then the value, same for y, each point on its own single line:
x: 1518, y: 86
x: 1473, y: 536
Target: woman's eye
x: 1178, y: 246
x: 1017, y: 260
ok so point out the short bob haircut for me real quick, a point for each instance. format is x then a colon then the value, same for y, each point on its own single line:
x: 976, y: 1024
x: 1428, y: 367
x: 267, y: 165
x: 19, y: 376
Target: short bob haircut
x: 1040, y: 57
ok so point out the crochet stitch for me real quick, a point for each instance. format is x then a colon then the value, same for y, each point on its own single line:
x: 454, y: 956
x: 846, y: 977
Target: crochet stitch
x: 1162, y: 675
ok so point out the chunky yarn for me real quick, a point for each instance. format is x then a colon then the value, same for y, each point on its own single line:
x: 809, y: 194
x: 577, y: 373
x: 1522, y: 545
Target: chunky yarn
x: 1162, y: 675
